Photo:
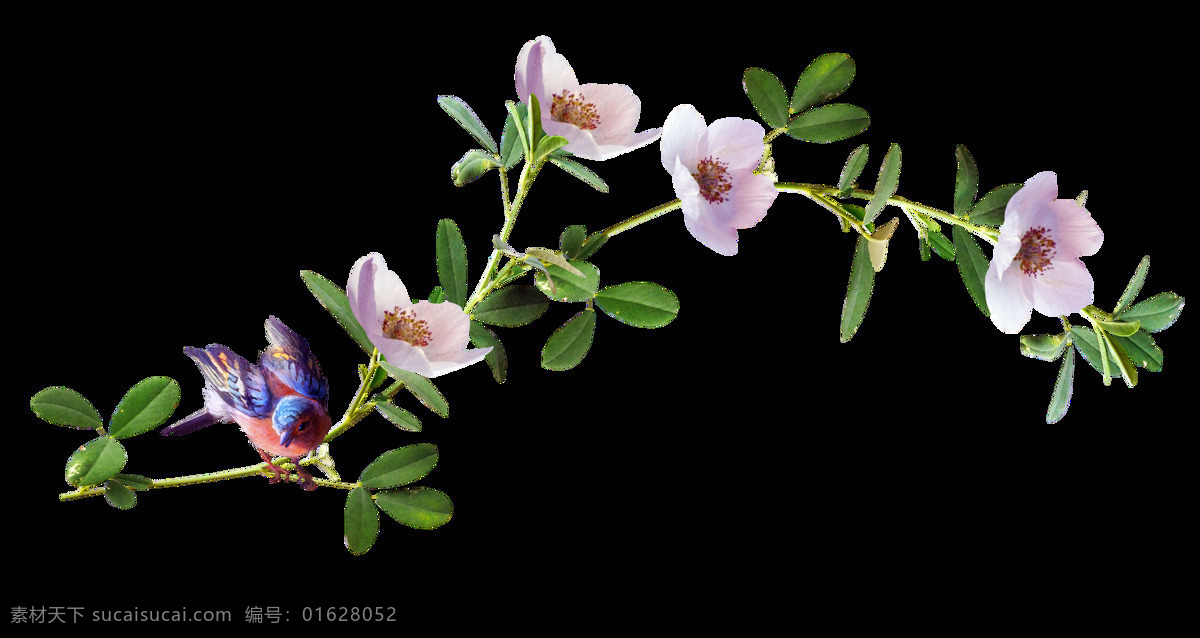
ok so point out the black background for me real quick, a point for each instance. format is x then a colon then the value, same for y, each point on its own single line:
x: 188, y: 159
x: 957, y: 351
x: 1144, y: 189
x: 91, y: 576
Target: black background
x: 181, y: 172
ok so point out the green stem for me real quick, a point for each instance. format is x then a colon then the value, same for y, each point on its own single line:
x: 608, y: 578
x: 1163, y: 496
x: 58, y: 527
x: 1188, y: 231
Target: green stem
x: 528, y: 175
x: 356, y: 410
x: 258, y: 469
x: 641, y: 218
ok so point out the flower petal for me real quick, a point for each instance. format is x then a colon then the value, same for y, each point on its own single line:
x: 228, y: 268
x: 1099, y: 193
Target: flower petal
x: 542, y: 71
x: 1074, y: 231
x: 736, y: 141
x: 618, y: 108
x: 681, y: 133
x: 448, y: 325
x: 405, y: 356
x: 1065, y: 288
x: 1038, y: 191
x: 748, y: 201
x: 360, y: 288
x: 1007, y: 298
x: 721, y: 239
x: 459, y: 361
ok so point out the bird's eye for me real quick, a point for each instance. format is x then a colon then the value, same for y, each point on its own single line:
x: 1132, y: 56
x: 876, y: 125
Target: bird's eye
x: 303, y: 424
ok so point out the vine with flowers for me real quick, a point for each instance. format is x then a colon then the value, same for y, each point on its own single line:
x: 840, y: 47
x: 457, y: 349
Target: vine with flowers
x: 724, y: 178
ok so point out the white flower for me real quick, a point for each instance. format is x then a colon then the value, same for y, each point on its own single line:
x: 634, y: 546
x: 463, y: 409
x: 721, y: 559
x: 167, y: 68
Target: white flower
x: 423, y: 337
x: 711, y: 169
x: 597, y: 119
x: 1035, y: 264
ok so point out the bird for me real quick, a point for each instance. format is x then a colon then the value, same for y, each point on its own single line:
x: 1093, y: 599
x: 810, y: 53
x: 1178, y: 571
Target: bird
x: 281, y: 404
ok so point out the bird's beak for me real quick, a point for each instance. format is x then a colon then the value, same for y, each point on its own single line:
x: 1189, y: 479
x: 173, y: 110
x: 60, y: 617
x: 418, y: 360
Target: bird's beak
x: 285, y: 439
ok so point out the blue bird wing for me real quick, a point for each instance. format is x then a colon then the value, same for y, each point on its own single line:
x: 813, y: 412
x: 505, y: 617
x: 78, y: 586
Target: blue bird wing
x: 240, y: 384
x: 292, y: 362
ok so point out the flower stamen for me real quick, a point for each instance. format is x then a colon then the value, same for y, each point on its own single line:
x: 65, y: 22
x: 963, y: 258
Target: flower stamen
x: 1036, y: 253
x: 714, y: 180
x: 572, y: 109
x: 404, y: 325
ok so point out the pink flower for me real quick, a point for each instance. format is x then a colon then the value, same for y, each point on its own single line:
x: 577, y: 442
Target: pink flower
x: 712, y: 168
x: 1036, y: 260
x: 423, y: 337
x: 597, y: 119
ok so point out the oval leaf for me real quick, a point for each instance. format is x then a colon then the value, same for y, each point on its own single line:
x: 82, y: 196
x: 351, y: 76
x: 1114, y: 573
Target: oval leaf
x: 361, y: 521
x: 511, y: 306
x: 1156, y: 313
x: 471, y: 166
x: 512, y: 137
x: 829, y: 123
x: 146, y: 406
x: 1120, y: 328
x: 972, y: 266
x: 63, y: 406
x: 570, y: 342
x: 570, y: 242
x: 852, y: 169
x: 421, y: 388
x: 641, y: 303
x: 400, y: 466
x: 966, y: 181
x: 1060, y: 399
x: 989, y: 210
x: 1142, y: 350
x: 419, y: 507
x: 885, y: 184
x: 858, y: 290
x: 593, y: 243
x: 119, y: 496
x: 767, y: 95
x: 398, y: 416
x: 457, y: 109
x: 134, y: 481
x: 334, y: 300
x: 1044, y: 347
x: 825, y: 78
x: 497, y: 359
x: 451, y: 256
x: 567, y: 286
x: 95, y: 462
x: 580, y: 172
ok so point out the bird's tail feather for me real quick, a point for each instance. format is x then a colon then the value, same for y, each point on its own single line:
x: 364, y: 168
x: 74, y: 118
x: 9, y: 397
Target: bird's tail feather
x: 201, y: 418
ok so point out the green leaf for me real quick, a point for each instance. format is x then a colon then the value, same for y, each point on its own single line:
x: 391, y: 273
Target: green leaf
x: 60, y: 405
x: 886, y: 184
x: 571, y: 241
x: 400, y: 466
x: 825, y: 78
x: 1044, y: 347
x: 451, y: 256
x: 1118, y: 356
x: 146, y: 406
x: 361, y: 521
x: 497, y: 359
x: 989, y: 210
x: 1134, y: 286
x: 640, y: 303
x: 767, y: 95
x: 972, y: 267
x: 118, y: 495
x: 1120, y: 328
x: 830, y: 123
x: 512, y: 147
x: 581, y: 172
x: 942, y: 246
x: 570, y: 342
x: 421, y: 388
x: 593, y: 243
x: 966, y: 181
x: 1060, y: 400
x: 852, y: 169
x: 471, y: 166
x: 1142, y: 350
x: 334, y: 300
x: 534, y: 125
x: 520, y: 120
x: 457, y: 109
x: 569, y: 287
x: 418, y: 507
x: 398, y: 416
x: 134, y: 481
x: 858, y: 290
x: 95, y: 462
x: 1156, y: 313
x: 549, y: 144
x: 511, y: 306
x: 1089, y: 348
